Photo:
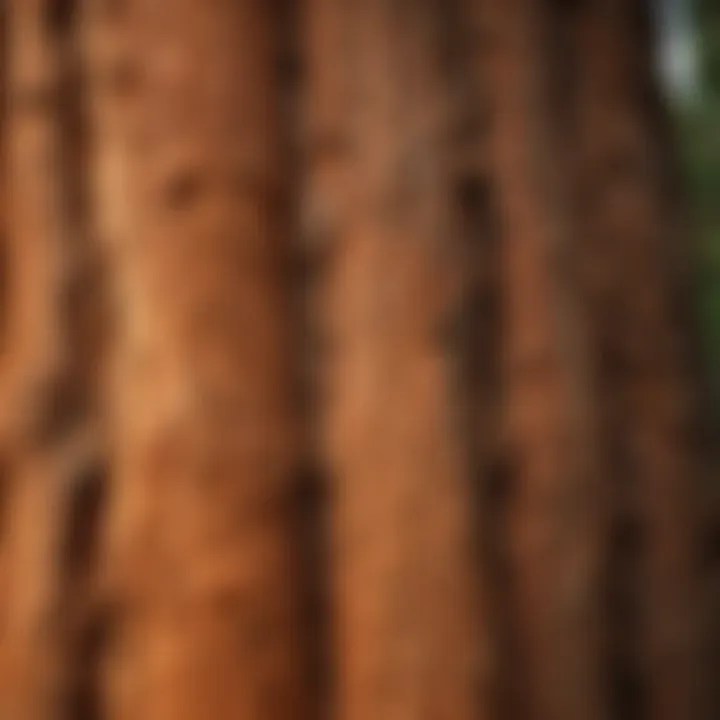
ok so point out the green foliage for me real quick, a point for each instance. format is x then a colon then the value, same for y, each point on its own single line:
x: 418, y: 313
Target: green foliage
x: 708, y: 18
x: 700, y: 133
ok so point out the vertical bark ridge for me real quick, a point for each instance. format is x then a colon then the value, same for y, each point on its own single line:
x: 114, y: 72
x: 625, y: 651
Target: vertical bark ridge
x: 408, y: 639
x: 557, y: 516
x: 49, y: 422
x: 204, y: 580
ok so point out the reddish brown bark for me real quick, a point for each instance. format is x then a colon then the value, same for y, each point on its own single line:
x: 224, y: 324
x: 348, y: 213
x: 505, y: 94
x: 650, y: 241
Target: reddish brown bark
x: 636, y: 259
x: 48, y: 428
x: 205, y: 583
x: 408, y: 642
x: 492, y: 330
x: 557, y: 513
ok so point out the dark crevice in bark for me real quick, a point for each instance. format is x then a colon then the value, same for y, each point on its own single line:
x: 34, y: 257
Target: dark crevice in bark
x: 87, y: 500
x: 476, y: 348
x: 86, y: 702
x: 60, y: 408
x: 70, y: 401
x: 80, y: 555
x: 311, y: 501
x: 312, y: 509
x: 478, y: 341
x: 627, y: 689
x: 60, y: 16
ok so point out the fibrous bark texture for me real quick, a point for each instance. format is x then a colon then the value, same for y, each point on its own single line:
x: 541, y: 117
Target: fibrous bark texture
x: 408, y: 641
x: 204, y: 587
x: 51, y: 437
x: 638, y: 284
x: 347, y: 365
x: 556, y: 521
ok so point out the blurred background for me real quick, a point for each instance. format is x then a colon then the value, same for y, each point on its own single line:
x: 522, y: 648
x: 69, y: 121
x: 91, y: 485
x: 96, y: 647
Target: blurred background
x: 690, y: 65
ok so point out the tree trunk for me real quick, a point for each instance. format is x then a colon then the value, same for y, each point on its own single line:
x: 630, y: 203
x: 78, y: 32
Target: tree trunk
x: 638, y: 281
x: 205, y: 583
x: 408, y: 638
x: 557, y: 517
x: 353, y: 380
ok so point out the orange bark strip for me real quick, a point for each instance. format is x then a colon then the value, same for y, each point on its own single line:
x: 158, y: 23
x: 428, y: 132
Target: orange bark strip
x: 203, y: 577
x: 408, y: 637
x: 47, y: 424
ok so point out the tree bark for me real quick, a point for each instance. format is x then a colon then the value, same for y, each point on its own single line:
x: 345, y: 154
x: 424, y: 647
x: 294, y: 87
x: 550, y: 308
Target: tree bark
x: 480, y: 362
x: 637, y: 263
x: 557, y: 514
x: 204, y: 581
x: 408, y: 633
x: 48, y: 427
